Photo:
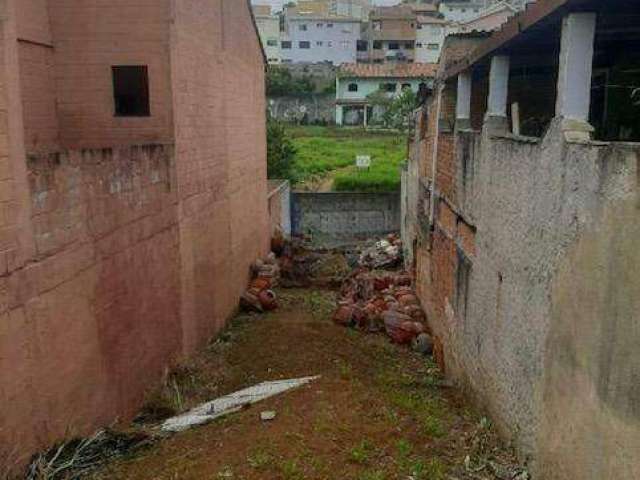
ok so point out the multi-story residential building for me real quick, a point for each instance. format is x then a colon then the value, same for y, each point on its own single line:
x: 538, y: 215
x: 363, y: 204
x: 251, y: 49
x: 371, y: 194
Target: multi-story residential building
x: 488, y: 20
x: 430, y: 34
x: 356, y: 82
x: 269, y: 28
x: 462, y: 10
x: 351, y: 8
x: 317, y: 38
x: 390, y: 35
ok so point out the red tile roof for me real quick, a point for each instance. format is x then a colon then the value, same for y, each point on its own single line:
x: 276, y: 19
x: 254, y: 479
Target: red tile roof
x: 388, y: 70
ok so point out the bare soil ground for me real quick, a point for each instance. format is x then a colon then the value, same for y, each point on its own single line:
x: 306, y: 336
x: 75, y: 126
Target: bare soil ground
x: 379, y: 412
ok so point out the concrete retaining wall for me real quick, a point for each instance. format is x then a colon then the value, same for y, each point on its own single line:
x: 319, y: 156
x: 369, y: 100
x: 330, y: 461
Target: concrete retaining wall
x: 345, y: 216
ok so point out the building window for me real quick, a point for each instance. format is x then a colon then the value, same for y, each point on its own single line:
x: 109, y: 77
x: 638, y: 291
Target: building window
x: 408, y: 45
x: 330, y: 43
x: 418, y: 45
x: 272, y: 43
x: 302, y: 27
x: 346, y: 44
x: 131, y: 91
x: 377, y: 45
x: 353, y: 87
x: 319, y: 25
x: 419, y: 26
x: 394, y: 46
x: 376, y: 26
x: 406, y: 86
x: 433, y: 46
x: 362, y: 45
x: 304, y: 45
x: 388, y: 87
x: 319, y: 44
x: 329, y: 25
x: 285, y: 45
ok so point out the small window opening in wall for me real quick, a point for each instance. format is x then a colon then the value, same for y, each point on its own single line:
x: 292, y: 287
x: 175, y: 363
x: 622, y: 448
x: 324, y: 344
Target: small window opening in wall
x: 353, y: 87
x: 131, y: 91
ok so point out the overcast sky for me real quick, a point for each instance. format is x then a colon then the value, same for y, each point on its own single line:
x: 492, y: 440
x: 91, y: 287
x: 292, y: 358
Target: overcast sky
x: 278, y: 3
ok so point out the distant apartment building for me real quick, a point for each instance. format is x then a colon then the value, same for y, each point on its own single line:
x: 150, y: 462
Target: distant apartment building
x: 488, y: 20
x: 351, y: 8
x: 320, y: 38
x: 390, y: 35
x: 430, y: 34
x: 356, y: 82
x: 462, y: 10
x: 269, y: 28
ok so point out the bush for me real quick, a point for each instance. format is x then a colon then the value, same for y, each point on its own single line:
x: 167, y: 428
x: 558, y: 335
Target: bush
x: 280, y: 83
x: 280, y: 152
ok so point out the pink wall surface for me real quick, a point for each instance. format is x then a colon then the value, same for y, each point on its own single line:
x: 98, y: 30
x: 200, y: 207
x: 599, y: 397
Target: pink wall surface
x: 124, y: 243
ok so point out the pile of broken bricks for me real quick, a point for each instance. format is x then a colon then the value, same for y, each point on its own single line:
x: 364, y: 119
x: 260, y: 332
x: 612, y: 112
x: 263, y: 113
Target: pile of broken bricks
x: 384, y: 301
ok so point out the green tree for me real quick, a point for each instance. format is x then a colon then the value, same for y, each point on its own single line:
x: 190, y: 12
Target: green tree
x: 280, y: 152
x: 397, y: 110
x: 281, y: 83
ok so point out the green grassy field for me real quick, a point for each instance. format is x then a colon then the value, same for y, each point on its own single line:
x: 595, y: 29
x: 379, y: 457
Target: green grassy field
x: 322, y: 150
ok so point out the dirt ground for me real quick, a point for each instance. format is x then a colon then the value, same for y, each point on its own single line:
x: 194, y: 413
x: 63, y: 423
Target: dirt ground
x: 378, y: 412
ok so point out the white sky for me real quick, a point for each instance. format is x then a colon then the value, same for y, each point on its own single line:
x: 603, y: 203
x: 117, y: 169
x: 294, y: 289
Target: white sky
x: 278, y: 3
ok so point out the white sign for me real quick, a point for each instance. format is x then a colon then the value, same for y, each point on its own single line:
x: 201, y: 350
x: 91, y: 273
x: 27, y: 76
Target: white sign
x: 363, y: 161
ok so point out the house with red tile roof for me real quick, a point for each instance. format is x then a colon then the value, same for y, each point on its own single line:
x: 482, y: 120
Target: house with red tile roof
x: 356, y: 82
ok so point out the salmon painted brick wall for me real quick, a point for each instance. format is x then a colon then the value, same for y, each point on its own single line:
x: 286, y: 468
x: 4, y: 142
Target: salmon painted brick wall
x: 219, y: 105
x: 124, y: 242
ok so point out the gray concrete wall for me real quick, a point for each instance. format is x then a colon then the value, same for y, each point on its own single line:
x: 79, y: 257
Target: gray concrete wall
x: 345, y: 216
x: 317, y: 108
x: 548, y: 337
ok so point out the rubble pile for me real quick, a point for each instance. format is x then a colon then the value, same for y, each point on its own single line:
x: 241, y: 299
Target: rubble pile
x: 375, y: 301
x: 260, y: 297
x: 384, y: 255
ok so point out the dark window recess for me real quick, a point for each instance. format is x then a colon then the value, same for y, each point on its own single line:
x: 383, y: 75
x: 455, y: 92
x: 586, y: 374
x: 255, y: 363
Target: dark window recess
x: 353, y: 87
x: 362, y: 46
x: 406, y: 86
x: 377, y: 45
x: 131, y: 91
x: 388, y: 87
x: 394, y: 46
x: 304, y: 45
x: 286, y: 45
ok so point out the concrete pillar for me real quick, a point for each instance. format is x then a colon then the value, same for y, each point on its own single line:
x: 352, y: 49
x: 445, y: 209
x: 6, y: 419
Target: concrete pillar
x: 365, y: 117
x: 339, y: 115
x: 463, y: 103
x: 575, y: 72
x: 496, y: 117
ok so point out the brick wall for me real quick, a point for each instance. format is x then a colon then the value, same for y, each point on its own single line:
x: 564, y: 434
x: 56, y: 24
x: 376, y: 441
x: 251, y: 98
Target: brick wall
x: 117, y: 260
x: 91, y: 322
x: 90, y: 38
x: 219, y: 115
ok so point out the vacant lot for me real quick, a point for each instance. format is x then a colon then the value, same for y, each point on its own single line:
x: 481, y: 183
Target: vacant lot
x: 326, y: 159
x: 378, y: 412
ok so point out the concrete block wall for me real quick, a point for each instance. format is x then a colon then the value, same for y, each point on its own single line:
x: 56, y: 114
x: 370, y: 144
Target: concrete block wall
x: 345, y: 216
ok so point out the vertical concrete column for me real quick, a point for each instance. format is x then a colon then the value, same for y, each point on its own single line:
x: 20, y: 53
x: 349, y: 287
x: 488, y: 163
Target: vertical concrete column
x: 575, y: 72
x: 496, y: 117
x: 366, y: 120
x: 463, y: 102
x: 339, y: 115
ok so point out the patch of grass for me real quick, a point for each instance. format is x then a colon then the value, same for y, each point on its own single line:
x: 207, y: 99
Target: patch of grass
x: 321, y: 150
x: 291, y: 470
x: 362, y: 452
x: 434, y: 469
x: 372, y: 475
x: 260, y: 460
x: 404, y: 448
